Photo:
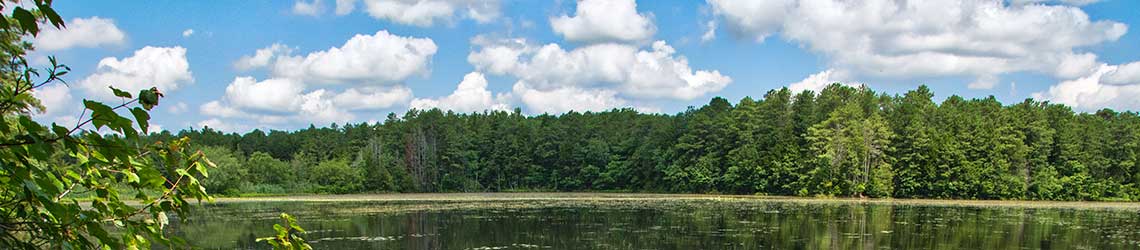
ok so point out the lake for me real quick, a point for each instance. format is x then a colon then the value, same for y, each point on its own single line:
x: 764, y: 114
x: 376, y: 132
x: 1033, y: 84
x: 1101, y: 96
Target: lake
x: 621, y: 221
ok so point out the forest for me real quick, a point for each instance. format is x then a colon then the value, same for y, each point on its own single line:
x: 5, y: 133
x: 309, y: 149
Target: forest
x: 842, y: 141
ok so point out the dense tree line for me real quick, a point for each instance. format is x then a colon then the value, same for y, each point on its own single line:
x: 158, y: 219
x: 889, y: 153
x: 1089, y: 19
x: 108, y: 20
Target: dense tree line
x: 842, y: 141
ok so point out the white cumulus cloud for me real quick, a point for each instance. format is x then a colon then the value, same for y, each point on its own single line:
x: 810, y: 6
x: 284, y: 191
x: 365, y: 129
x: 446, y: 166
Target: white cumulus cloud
x: 818, y: 81
x: 55, y: 98
x: 381, y: 58
x: 178, y: 108
x: 605, y: 21
x: 262, y: 57
x: 217, y: 109
x: 88, y: 32
x: 271, y: 95
x: 372, y: 98
x: 1068, y: 2
x: 343, y: 7
x: 284, y: 100
x: 163, y: 67
x: 307, y: 7
x: 710, y: 31
x: 910, y: 38
x: 1123, y: 75
x: 218, y: 124
x: 757, y: 19
x: 426, y: 13
x: 317, y: 107
x: 470, y: 96
x: 570, y: 98
x: 654, y: 73
x: 594, y: 76
x: 1112, y: 86
x: 371, y: 67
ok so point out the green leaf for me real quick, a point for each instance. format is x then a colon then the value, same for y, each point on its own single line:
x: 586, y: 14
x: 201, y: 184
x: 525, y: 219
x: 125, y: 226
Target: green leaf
x: 201, y: 168
x: 31, y: 126
x: 209, y: 162
x: 52, y: 16
x: 101, y: 114
x: 151, y: 176
x: 163, y: 220
x: 132, y: 177
x: 141, y: 240
x: 95, y: 229
x: 143, y: 118
x: 60, y: 130
x: 149, y: 98
x: 281, y: 231
x: 27, y: 21
x: 120, y: 93
x: 182, y: 172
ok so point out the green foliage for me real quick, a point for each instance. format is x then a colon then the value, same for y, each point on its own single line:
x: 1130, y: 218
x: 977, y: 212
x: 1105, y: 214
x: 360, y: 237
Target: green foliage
x: 288, y: 235
x: 231, y: 172
x: 45, y: 169
x: 26, y: 22
x: 842, y: 141
x: 335, y: 176
x: 264, y: 169
x: 377, y: 167
x: 852, y: 149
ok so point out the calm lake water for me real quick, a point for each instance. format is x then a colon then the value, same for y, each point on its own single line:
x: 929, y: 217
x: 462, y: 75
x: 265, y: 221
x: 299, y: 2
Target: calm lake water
x: 663, y: 223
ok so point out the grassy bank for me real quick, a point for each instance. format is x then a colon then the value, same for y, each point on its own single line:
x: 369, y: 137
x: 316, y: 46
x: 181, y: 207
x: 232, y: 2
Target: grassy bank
x: 452, y: 197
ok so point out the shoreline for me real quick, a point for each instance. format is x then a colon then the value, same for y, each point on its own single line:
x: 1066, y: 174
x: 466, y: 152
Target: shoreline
x: 558, y: 196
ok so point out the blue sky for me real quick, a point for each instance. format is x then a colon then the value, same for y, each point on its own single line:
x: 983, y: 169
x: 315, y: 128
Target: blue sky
x: 323, y: 62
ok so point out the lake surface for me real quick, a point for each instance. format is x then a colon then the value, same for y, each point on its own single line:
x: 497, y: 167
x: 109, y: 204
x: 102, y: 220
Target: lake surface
x: 535, y: 221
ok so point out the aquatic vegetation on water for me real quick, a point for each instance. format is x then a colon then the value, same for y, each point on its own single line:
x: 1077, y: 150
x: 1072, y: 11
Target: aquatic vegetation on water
x: 588, y: 221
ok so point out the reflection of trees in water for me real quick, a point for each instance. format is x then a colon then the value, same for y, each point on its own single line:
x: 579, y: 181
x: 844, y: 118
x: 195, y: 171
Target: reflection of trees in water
x: 422, y: 230
x: 249, y: 241
x: 701, y: 225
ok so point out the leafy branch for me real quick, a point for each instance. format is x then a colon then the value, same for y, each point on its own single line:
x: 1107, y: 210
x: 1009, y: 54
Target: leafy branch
x: 288, y: 235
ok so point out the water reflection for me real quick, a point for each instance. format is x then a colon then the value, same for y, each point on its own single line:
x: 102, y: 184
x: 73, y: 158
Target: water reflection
x: 662, y: 224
